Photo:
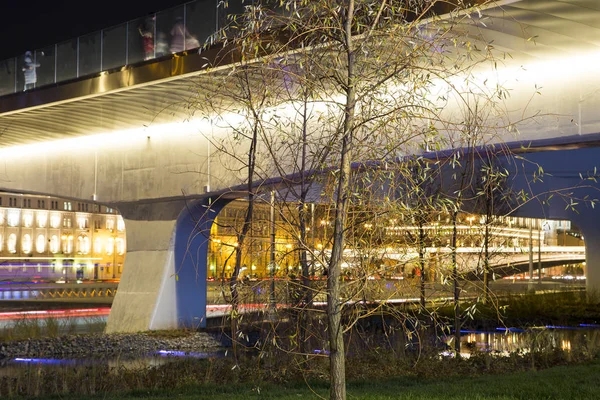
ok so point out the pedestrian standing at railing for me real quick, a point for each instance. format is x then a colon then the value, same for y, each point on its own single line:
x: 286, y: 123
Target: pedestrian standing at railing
x: 29, y: 71
x: 181, y: 39
x: 146, y: 30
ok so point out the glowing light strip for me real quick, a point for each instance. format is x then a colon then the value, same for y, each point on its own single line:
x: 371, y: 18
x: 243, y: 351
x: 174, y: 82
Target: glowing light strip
x: 83, y: 312
x: 50, y: 258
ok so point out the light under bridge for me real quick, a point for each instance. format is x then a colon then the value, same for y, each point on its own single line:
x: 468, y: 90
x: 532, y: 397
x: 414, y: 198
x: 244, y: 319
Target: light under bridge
x: 502, y: 260
x: 106, y: 136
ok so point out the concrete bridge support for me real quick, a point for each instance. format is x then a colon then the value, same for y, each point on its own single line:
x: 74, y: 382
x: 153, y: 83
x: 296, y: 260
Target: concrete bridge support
x: 164, y: 279
x: 589, y: 223
x: 566, y: 190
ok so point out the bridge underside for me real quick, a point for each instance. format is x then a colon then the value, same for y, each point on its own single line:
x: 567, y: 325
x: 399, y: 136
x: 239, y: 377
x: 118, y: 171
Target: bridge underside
x: 164, y: 283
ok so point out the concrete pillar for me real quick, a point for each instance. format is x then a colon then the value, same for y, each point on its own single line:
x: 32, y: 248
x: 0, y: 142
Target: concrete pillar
x: 147, y: 280
x: 589, y: 224
x: 163, y: 285
x: 192, y: 240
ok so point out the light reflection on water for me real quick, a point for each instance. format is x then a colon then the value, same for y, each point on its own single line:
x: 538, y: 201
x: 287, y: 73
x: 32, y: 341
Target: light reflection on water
x: 11, y: 367
x: 505, y: 341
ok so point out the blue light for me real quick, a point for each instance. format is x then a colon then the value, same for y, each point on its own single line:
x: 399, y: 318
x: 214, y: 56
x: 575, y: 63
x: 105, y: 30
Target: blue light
x: 559, y: 327
x: 511, y: 329
x: 48, y: 361
x: 191, y: 354
x: 172, y: 353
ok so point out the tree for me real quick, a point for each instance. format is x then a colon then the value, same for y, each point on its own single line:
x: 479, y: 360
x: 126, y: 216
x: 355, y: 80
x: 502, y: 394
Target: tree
x: 372, y: 80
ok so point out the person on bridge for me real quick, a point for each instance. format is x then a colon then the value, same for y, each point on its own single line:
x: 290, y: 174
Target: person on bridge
x: 29, y: 71
x: 181, y: 39
x: 146, y: 30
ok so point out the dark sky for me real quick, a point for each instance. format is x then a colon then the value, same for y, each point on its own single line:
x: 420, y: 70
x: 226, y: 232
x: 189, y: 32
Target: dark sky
x: 33, y: 24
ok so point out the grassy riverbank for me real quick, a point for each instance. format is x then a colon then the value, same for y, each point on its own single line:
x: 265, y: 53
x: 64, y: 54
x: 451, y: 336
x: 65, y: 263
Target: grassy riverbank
x: 564, y: 382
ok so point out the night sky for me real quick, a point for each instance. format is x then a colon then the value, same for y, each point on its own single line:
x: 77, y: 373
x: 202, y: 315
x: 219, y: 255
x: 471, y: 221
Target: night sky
x: 33, y: 24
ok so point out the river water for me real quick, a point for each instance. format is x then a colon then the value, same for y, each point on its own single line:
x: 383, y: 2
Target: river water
x: 504, y: 341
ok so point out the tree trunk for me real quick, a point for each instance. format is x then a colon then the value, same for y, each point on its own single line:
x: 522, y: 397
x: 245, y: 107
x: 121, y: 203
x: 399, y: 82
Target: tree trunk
x: 457, y: 324
x: 486, y: 261
x: 422, y: 264
x: 337, y: 359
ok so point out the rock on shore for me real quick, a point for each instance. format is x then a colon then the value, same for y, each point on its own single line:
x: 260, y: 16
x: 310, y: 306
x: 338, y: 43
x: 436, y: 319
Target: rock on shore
x: 106, y: 345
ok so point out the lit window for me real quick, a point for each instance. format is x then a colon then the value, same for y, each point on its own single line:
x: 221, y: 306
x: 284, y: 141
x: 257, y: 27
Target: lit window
x: 110, y: 224
x: 55, y: 220
x: 98, y: 245
x: 54, y: 244
x: 120, y: 224
x: 67, y: 244
x: 82, y: 222
x: 26, y: 243
x: 1, y: 218
x: 110, y: 245
x: 27, y: 220
x: 85, y: 245
x: 40, y: 244
x: 42, y: 219
x: 13, y: 218
x: 12, y: 243
x: 120, y: 246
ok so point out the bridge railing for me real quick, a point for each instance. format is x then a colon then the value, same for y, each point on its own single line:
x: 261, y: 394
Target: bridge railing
x: 153, y: 36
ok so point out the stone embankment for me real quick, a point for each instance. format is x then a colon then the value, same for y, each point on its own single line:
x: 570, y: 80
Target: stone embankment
x: 99, y: 345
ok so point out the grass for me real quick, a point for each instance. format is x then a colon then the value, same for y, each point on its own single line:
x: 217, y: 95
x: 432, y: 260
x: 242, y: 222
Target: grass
x: 564, y: 382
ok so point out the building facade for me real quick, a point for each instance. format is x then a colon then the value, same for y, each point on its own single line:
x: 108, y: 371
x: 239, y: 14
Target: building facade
x: 45, y: 238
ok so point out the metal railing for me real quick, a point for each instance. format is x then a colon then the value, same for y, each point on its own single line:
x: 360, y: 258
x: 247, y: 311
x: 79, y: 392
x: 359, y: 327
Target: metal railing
x: 153, y: 36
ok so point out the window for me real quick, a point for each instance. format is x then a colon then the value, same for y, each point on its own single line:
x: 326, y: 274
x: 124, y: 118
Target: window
x: 26, y: 243
x: 13, y: 218
x: 67, y: 206
x: 28, y: 219
x: 120, y: 246
x: 120, y: 224
x: 110, y: 245
x: 67, y: 244
x: 54, y: 244
x: 83, y: 244
x: 54, y: 220
x: 42, y: 219
x: 40, y: 244
x: 67, y: 223
x: 110, y: 224
x: 12, y: 243
x: 98, y: 245
x: 82, y: 222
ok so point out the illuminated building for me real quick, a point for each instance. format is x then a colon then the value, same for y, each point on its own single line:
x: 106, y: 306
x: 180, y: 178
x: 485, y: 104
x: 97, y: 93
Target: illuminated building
x: 52, y: 239
x: 390, y: 242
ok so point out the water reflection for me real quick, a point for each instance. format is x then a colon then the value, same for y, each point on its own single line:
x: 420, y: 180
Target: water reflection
x: 505, y: 341
x: 9, y: 367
